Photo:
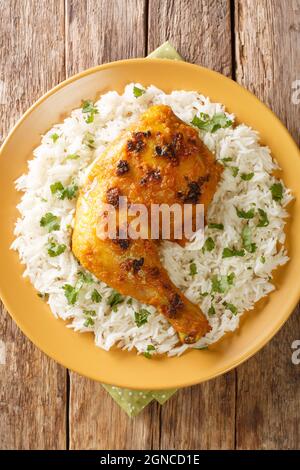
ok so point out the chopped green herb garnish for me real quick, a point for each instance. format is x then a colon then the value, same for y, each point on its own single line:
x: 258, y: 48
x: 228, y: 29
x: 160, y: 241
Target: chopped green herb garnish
x: 277, y: 191
x: 148, y: 353
x: 50, y: 221
x: 193, y: 269
x: 89, y: 313
x: 209, y: 244
x: 138, y: 91
x: 54, y: 137
x: 96, y: 296
x: 85, y: 277
x: 234, y: 170
x: 262, y: 259
x: 211, y: 310
x: 71, y: 293
x: 247, y: 176
x: 204, y: 294
x: 247, y: 240
x: 231, y: 307
x: 263, y: 221
x: 64, y: 192
x: 207, y: 124
x: 229, y: 252
x: 55, y: 249
x: 89, y: 322
x: 89, y: 140
x: 227, y: 159
x: 217, y: 226
x: 222, y: 284
x: 141, y: 317
x: 129, y: 301
x: 114, y: 300
x: 245, y: 214
x: 90, y: 109
x: 72, y: 156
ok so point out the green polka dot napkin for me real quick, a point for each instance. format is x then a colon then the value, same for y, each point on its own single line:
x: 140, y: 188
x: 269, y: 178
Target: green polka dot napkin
x: 134, y: 401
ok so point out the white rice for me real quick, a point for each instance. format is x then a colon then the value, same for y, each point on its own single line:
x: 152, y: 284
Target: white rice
x: 252, y: 277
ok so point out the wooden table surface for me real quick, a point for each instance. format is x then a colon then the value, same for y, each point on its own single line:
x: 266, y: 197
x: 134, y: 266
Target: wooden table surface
x: 257, y: 43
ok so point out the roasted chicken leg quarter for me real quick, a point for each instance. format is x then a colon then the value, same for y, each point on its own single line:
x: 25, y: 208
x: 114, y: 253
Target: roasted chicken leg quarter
x: 158, y: 160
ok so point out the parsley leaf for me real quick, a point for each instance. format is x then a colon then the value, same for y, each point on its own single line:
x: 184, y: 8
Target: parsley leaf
x: 138, y: 91
x: 55, y: 249
x: 89, y: 322
x: 96, y: 296
x: 234, y: 170
x: 211, y: 310
x: 245, y: 214
x: 90, y: 109
x: 229, y: 252
x: 263, y: 221
x: 115, y: 299
x: 89, y: 313
x: 207, y: 124
x: 89, y: 140
x: 247, y: 176
x: 85, y: 277
x: 148, y: 352
x: 141, y: 317
x: 71, y: 293
x: 262, y: 259
x: 231, y: 307
x: 50, y: 221
x: 277, y: 191
x: 247, y: 240
x: 54, y: 137
x: 72, y: 156
x: 209, y: 244
x: 62, y: 192
x: 222, y: 284
x: 217, y: 226
x: 193, y: 269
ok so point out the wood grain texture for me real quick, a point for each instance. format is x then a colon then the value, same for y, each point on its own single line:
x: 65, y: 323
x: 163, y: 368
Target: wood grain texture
x: 32, y: 387
x: 97, y: 422
x: 200, y: 417
x: 98, y: 32
x: 268, y: 61
x: 103, y: 31
x: 199, y: 30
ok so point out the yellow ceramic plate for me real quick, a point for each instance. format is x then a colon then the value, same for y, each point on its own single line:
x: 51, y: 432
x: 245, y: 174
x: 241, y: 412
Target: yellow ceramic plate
x: 78, y: 351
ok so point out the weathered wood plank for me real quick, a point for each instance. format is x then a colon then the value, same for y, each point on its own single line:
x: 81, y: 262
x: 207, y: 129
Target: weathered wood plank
x: 97, y: 422
x: 100, y: 32
x: 200, y: 30
x: 200, y: 417
x: 268, y: 62
x: 103, y: 31
x: 33, y: 387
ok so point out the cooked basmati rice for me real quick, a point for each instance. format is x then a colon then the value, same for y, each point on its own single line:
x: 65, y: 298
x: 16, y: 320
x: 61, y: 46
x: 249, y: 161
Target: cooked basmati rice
x: 224, y: 288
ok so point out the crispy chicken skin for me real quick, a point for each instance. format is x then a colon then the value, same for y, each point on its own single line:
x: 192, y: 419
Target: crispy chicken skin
x: 159, y: 160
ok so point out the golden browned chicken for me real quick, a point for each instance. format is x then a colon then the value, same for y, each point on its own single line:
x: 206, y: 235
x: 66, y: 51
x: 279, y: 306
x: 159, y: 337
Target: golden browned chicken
x: 159, y: 160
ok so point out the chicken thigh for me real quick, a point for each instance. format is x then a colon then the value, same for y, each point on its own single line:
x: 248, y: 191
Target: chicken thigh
x: 159, y: 160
